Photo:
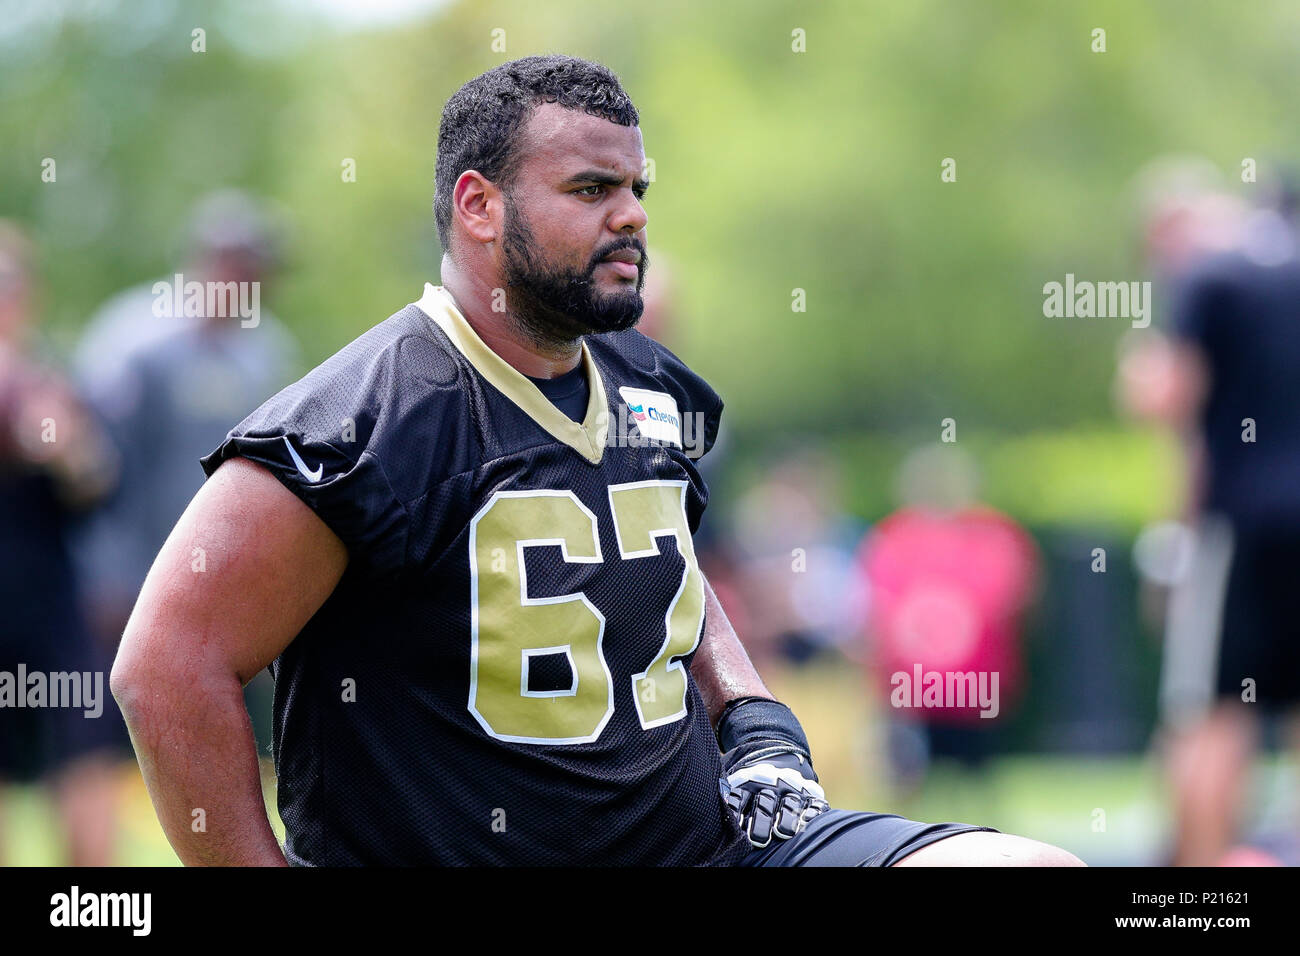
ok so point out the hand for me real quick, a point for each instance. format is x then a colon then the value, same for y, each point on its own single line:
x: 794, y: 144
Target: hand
x: 773, y: 795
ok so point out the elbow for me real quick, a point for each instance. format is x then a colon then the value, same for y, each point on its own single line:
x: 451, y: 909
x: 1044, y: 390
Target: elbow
x: 126, y: 682
x: 132, y: 681
x: 149, y: 680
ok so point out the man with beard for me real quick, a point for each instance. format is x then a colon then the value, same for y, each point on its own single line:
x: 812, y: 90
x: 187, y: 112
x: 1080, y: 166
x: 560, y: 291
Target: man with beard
x: 491, y: 639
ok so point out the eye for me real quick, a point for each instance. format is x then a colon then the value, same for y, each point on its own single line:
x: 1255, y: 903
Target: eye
x: 586, y: 190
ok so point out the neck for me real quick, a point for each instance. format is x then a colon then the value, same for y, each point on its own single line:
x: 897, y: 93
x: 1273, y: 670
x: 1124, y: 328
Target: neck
x: 474, y: 297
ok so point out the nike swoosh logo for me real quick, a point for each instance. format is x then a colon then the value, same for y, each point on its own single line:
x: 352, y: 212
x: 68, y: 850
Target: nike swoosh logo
x: 312, y: 476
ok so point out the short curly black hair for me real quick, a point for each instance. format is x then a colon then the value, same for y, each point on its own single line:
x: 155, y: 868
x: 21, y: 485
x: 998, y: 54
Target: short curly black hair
x: 482, y: 120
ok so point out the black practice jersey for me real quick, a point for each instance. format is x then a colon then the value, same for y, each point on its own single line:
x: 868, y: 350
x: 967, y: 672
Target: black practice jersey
x: 1244, y: 315
x: 502, y: 676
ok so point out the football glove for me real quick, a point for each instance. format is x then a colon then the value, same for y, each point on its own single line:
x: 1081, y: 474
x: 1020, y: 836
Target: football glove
x: 768, y: 779
x: 774, y: 797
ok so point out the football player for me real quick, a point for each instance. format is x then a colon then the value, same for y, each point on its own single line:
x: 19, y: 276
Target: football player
x: 463, y: 546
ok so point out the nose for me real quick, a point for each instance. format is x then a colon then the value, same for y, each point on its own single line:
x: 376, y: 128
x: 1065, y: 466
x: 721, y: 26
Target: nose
x: 629, y: 216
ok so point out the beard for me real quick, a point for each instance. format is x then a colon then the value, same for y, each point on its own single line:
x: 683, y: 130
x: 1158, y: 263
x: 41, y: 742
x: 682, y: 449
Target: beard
x: 555, y: 306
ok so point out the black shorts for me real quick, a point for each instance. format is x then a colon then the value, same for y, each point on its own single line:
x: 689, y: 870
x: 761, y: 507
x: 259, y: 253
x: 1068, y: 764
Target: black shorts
x: 853, y: 838
x: 1234, y: 623
x: 1261, y: 622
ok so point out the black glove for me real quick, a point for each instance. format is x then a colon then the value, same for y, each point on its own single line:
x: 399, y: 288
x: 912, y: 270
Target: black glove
x: 773, y: 798
x: 769, y: 782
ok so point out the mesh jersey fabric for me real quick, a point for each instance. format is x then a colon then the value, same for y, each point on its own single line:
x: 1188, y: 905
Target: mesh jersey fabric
x: 412, y: 444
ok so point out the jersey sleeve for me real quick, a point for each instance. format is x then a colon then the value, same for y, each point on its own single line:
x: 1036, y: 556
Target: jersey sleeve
x: 322, y: 439
x: 700, y: 409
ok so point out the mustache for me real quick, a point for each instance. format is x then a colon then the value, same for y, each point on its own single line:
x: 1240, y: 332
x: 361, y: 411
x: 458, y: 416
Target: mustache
x: 619, y: 246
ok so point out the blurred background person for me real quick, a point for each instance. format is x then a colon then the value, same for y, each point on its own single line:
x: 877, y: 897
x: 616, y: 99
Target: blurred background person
x: 1186, y: 215
x: 1226, y: 382
x: 54, y: 462
x: 661, y: 314
x: 950, y: 580
x: 795, y: 543
x: 168, y: 382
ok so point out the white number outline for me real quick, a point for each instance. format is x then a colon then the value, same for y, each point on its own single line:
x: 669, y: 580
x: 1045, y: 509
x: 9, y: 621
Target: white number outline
x: 688, y: 560
x: 526, y: 601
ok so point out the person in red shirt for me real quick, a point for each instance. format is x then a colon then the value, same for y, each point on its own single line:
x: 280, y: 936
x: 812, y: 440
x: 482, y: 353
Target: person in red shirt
x: 949, y: 581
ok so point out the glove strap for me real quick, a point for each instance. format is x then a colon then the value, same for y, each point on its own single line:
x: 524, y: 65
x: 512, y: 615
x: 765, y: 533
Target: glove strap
x: 750, y: 727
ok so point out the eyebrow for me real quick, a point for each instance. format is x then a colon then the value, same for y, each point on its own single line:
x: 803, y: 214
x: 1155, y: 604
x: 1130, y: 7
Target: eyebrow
x: 605, y: 178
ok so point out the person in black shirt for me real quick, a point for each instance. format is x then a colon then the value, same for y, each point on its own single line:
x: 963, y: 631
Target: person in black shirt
x: 1233, y: 638
x: 54, y: 463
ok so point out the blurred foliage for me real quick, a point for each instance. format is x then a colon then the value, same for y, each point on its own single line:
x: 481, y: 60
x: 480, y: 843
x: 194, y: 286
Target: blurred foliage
x: 1119, y: 477
x: 774, y: 171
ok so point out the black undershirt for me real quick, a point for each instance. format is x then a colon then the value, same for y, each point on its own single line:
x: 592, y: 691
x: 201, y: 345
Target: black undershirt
x: 567, y: 392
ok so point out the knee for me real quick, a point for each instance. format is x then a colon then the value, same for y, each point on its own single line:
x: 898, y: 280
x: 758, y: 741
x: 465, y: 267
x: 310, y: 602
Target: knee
x: 982, y: 848
x: 1044, y: 854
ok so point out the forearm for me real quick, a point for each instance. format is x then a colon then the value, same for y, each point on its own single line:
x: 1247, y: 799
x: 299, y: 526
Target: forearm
x: 197, y: 752
x: 194, y: 640
x: 770, y: 786
x: 721, y: 668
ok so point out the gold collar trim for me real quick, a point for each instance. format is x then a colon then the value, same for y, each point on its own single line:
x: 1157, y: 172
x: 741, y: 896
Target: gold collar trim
x: 587, y: 437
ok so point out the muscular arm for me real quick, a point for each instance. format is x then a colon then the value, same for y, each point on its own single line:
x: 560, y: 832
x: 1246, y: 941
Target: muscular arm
x: 721, y: 667
x: 197, y: 636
